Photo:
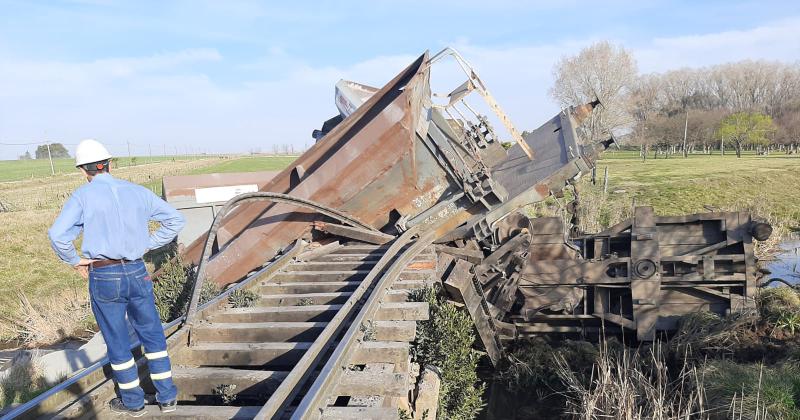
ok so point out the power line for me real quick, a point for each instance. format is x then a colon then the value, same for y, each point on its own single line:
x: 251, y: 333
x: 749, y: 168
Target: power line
x: 26, y: 144
x: 65, y: 144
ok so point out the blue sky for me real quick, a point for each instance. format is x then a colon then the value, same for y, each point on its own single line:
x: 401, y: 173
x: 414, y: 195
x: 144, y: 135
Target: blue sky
x: 233, y: 76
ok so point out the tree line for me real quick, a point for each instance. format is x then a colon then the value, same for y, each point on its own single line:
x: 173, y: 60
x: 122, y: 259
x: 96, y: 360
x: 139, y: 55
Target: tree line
x: 746, y: 105
x: 57, y: 151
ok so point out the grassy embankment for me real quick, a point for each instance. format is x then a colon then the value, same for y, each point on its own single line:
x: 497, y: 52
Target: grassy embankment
x: 678, y: 186
x: 29, y: 266
x: 743, y: 366
x: 768, y: 186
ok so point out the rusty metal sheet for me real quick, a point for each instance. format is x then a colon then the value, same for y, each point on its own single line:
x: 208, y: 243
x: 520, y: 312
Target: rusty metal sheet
x: 369, y: 166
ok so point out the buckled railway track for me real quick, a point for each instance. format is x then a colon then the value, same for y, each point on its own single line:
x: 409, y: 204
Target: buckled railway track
x: 328, y: 339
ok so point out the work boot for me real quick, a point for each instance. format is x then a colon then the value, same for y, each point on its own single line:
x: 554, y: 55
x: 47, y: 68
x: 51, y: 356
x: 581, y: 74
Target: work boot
x: 117, y: 406
x: 168, y: 407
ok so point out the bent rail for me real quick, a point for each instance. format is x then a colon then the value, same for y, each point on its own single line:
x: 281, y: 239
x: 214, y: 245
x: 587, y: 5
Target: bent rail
x: 256, y: 196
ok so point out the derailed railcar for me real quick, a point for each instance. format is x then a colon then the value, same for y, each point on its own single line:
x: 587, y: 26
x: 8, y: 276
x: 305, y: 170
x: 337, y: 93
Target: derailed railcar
x: 395, y: 171
x: 395, y: 158
x: 639, y: 276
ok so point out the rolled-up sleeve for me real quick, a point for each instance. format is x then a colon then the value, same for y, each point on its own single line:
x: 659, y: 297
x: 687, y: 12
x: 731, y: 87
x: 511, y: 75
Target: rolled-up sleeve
x: 170, y: 219
x: 65, y: 230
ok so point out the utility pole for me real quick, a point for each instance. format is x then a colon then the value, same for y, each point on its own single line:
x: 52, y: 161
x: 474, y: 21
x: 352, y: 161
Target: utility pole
x: 50, y: 156
x: 150, y: 152
x: 685, y: 130
x: 165, y: 149
x: 129, y: 153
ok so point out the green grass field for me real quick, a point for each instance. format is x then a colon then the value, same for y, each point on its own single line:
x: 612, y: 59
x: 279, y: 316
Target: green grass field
x: 685, y: 185
x: 18, y: 170
x: 248, y: 164
x: 237, y: 164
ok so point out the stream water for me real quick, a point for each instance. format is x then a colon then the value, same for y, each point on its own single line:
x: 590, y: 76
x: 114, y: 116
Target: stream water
x: 786, y: 265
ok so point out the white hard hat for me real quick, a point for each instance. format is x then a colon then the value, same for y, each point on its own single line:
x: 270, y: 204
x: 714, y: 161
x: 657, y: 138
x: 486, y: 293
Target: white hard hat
x: 90, y: 151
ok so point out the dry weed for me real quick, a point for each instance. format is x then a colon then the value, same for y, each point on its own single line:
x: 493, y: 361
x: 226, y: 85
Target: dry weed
x: 21, y: 382
x: 598, y: 211
x: 753, y: 391
x: 702, y: 333
x: 626, y: 386
x: 52, y: 192
x: 47, y: 321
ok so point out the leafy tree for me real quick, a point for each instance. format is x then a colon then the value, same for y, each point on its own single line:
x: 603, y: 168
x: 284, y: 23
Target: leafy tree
x: 26, y: 156
x: 743, y: 128
x: 57, y: 150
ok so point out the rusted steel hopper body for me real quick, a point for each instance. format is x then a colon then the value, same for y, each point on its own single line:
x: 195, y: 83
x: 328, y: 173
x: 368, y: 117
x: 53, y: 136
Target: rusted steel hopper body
x: 394, y: 159
x: 398, y: 160
x: 368, y: 166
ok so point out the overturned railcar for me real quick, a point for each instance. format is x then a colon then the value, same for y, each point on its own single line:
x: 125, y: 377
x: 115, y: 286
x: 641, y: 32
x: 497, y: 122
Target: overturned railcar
x: 406, y: 188
x: 400, y: 158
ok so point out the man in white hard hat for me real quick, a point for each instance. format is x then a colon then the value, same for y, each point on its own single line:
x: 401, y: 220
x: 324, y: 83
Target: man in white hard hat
x: 113, y: 215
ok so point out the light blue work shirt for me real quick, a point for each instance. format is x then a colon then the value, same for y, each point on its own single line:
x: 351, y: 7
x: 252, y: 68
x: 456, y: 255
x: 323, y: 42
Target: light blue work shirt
x: 114, y: 216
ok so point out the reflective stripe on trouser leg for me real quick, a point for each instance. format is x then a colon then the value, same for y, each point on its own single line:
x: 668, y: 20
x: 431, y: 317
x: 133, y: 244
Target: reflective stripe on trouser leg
x: 160, y: 368
x: 159, y: 365
x: 124, y: 365
x: 128, y: 385
x: 161, y: 374
x: 127, y: 376
x: 156, y: 355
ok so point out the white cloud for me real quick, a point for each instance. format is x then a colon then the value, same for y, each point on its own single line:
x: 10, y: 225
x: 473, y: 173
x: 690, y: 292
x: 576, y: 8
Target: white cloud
x: 171, y: 98
x: 774, y: 41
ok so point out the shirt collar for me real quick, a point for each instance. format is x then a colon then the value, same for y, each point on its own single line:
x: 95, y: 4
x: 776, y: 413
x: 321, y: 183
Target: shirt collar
x: 105, y: 176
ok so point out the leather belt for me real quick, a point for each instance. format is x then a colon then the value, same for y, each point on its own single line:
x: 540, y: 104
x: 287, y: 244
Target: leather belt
x: 106, y: 263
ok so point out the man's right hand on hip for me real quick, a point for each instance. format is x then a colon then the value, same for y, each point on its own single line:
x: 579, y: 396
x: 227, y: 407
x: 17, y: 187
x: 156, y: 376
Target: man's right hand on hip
x: 82, y: 267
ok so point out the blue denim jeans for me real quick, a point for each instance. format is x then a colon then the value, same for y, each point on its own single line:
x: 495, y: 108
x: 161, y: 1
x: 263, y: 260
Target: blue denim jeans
x: 126, y: 289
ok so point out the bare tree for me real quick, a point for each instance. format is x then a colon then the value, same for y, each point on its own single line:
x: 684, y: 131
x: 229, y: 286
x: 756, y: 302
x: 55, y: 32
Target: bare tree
x: 646, y: 99
x: 787, y: 133
x: 665, y: 132
x: 702, y: 128
x: 681, y: 109
x: 601, y: 71
x: 702, y: 97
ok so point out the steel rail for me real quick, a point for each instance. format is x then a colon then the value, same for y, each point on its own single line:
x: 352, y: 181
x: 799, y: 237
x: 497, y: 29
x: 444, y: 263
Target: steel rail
x: 256, y: 196
x: 24, y: 408
x: 290, y: 386
x: 312, y: 403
